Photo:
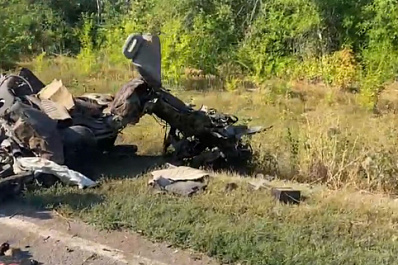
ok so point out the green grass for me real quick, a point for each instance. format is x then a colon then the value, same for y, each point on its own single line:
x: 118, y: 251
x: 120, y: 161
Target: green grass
x: 321, y: 136
x: 241, y: 226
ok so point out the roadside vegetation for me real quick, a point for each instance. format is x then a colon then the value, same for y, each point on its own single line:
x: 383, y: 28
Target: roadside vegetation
x: 321, y: 72
x: 342, y: 156
x: 320, y: 134
x: 242, y: 226
x: 346, y: 44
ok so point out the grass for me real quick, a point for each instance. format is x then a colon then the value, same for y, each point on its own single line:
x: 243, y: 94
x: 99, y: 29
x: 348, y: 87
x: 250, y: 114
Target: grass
x: 321, y: 136
x: 239, y: 226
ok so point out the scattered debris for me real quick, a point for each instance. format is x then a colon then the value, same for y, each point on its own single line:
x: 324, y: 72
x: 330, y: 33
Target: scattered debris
x: 46, y: 131
x: 12, y: 252
x: 282, y: 194
x: 14, y: 256
x: 181, y: 173
x: 197, y: 137
x: 186, y: 188
x: 40, y: 165
x: 287, y: 195
x: 3, y: 248
x: 258, y: 185
x: 38, y: 134
x: 179, y: 180
x: 69, y: 250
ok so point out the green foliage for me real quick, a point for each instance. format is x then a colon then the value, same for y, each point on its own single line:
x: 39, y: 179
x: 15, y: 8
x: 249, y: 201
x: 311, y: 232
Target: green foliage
x: 282, y: 33
x: 380, y: 55
x: 24, y: 30
x: 338, y: 69
x: 338, y: 42
x: 242, y: 226
x: 86, y: 57
x: 175, y: 50
x: 40, y: 62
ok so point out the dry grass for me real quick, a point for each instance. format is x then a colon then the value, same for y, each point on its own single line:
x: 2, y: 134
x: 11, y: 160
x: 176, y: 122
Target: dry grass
x: 320, y: 136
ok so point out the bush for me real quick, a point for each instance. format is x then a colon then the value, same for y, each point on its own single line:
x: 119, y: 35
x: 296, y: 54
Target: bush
x: 338, y: 42
x: 25, y: 30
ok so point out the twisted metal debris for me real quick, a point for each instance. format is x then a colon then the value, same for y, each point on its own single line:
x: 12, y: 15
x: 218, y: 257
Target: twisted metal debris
x: 46, y: 121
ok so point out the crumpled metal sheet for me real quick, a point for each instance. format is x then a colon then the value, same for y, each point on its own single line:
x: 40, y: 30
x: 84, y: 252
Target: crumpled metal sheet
x: 127, y: 103
x: 38, y: 132
x: 86, y: 108
x: 40, y: 165
x: 57, y: 93
x: 7, y: 99
x: 101, y: 99
x: 185, y: 188
x: 54, y: 110
x: 179, y: 180
x: 180, y: 174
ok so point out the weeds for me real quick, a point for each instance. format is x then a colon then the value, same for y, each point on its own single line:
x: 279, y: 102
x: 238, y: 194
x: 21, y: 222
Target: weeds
x: 244, y: 227
x: 315, y: 138
x: 86, y: 57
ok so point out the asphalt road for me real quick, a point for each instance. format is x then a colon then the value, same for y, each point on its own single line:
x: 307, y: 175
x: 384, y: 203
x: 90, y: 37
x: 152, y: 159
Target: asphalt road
x: 51, y: 239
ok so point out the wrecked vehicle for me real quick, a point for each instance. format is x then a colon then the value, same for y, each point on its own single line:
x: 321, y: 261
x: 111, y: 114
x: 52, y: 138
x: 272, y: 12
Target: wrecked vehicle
x: 43, y: 130
x: 46, y: 130
x: 49, y: 122
x: 198, y: 137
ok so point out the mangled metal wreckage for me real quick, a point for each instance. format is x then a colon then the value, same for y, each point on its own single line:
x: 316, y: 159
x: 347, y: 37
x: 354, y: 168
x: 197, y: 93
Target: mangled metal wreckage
x: 44, y: 127
x: 198, y: 137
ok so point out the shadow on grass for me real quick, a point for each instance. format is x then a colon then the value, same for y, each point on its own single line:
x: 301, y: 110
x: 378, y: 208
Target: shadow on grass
x: 119, y: 167
x: 37, y: 204
x: 14, y: 208
x: 75, y: 201
x: 38, y: 200
x: 126, y: 164
x: 116, y: 165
